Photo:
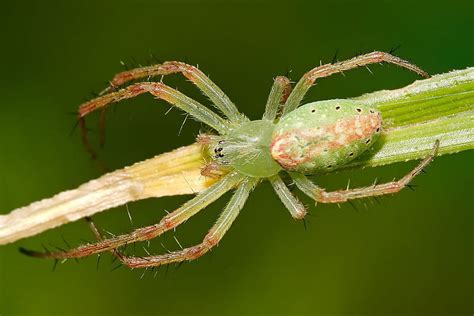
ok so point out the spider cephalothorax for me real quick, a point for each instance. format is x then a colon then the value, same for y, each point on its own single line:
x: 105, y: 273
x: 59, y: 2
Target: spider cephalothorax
x: 313, y: 138
x: 247, y: 149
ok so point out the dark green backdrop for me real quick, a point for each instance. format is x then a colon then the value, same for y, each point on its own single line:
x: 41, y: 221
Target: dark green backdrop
x: 411, y: 254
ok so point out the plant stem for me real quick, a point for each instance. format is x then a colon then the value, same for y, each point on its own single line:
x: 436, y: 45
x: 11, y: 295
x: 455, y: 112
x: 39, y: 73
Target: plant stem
x: 415, y: 116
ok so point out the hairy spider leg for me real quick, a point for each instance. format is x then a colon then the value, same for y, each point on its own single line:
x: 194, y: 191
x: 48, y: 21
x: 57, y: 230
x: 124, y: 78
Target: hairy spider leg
x: 213, y: 237
x: 296, y: 208
x: 102, y: 122
x: 170, y: 221
x: 308, y: 79
x: 115, y: 252
x: 161, y: 91
x: 219, y: 99
x: 320, y: 195
x: 280, y: 91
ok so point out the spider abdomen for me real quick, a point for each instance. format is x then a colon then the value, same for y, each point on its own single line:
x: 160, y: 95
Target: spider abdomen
x: 319, y: 136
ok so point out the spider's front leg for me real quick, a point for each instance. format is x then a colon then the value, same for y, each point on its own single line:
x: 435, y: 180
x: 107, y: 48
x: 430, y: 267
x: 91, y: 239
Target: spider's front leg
x: 157, y: 89
x: 213, y: 237
x: 321, y: 195
x: 161, y: 91
x: 309, y: 78
x: 219, y: 99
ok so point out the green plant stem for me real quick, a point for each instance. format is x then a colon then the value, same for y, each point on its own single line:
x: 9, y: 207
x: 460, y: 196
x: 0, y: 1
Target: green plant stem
x: 415, y: 116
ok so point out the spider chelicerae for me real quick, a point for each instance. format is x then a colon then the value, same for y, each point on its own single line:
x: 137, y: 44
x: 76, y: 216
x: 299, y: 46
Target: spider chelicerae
x: 298, y: 140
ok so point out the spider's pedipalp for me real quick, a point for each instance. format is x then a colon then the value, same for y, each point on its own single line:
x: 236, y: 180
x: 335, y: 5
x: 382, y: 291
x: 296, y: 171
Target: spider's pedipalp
x: 296, y: 208
x: 213, y: 237
x: 196, y: 76
x: 321, y: 195
x: 170, y: 221
x: 309, y: 78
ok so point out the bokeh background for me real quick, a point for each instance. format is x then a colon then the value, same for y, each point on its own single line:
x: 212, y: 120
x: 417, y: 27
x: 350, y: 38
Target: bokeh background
x: 409, y: 255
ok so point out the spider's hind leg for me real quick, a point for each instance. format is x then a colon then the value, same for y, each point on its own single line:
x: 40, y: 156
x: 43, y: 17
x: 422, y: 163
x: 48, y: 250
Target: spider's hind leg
x: 309, y: 78
x: 321, y: 195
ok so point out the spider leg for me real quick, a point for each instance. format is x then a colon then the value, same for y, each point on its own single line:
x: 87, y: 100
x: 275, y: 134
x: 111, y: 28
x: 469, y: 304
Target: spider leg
x: 219, y: 99
x: 161, y: 91
x: 280, y: 91
x: 168, y: 222
x: 115, y: 252
x: 86, y: 143
x: 308, y: 79
x: 213, y: 237
x: 320, y: 195
x: 102, y: 122
x: 296, y: 208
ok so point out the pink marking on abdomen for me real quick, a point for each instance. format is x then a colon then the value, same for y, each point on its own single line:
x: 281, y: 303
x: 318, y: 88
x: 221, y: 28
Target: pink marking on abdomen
x: 312, y: 142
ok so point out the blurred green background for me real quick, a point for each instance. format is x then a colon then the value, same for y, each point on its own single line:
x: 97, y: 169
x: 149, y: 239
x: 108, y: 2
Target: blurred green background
x: 409, y: 255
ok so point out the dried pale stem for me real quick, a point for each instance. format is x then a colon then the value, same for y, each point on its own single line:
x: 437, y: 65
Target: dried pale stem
x: 173, y: 173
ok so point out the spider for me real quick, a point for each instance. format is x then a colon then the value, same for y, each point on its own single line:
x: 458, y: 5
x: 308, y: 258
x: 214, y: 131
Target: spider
x: 298, y: 140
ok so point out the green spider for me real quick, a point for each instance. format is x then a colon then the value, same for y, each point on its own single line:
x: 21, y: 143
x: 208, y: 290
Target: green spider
x: 299, y: 140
